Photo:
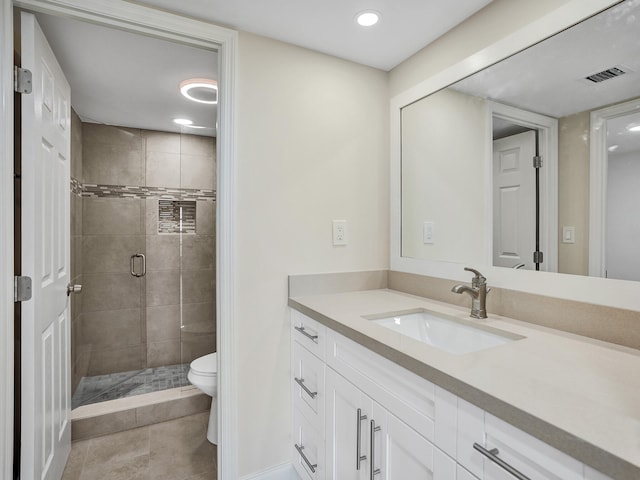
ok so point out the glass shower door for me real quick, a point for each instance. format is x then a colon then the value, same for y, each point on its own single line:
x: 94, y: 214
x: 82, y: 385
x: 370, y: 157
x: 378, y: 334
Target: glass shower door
x: 197, y: 244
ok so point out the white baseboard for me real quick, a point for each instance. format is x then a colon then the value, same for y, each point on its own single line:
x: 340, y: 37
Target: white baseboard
x: 280, y: 472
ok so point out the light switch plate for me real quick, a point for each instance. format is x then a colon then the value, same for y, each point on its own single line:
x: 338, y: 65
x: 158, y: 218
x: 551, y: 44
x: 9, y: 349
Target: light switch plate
x: 568, y: 234
x: 428, y: 233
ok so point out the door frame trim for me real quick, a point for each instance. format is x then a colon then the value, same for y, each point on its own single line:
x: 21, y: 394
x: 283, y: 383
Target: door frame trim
x: 145, y: 20
x: 6, y: 240
x: 548, y: 147
x: 598, y: 168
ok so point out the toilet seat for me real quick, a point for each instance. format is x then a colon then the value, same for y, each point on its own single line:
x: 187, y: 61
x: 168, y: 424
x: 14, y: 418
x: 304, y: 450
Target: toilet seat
x: 206, y: 366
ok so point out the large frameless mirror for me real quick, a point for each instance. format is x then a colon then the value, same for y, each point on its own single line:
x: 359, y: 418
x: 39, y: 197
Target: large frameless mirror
x: 531, y: 163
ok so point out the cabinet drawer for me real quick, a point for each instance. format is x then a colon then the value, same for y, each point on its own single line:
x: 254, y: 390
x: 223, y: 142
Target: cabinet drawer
x: 307, y: 449
x: 309, y: 333
x: 527, y: 454
x: 308, y: 384
x: 410, y: 397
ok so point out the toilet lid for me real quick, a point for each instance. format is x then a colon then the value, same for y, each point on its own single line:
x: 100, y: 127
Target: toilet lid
x: 207, y: 365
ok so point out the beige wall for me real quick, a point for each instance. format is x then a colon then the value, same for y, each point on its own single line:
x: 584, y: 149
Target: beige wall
x: 573, y: 191
x: 443, y: 144
x: 494, y: 22
x: 312, y: 146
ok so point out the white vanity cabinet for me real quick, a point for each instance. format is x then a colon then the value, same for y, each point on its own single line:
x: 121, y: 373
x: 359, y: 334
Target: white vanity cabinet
x: 348, y: 412
x: 340, y: 431
x: 400, y: 453
x: 308, y: 396
x: 502, y: 442
x: 362, y: 436
x: 360, y: 416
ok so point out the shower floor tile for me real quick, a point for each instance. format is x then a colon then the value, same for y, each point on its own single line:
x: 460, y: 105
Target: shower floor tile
x: 100, y: 388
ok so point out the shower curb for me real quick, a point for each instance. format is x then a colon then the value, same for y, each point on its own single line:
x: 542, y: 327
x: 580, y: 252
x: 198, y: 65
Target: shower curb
x: 141, y: 410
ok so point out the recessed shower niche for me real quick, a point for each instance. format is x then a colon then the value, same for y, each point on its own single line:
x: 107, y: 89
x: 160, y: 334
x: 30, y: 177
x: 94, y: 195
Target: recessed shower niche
x: 176, y: 216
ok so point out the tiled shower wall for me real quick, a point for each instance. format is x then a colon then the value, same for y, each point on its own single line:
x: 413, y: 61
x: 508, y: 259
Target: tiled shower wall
x: 78, y: 360
x: 129, y: 323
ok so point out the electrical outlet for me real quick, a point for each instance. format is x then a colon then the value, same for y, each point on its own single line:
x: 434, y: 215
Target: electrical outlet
x: 339, y: 232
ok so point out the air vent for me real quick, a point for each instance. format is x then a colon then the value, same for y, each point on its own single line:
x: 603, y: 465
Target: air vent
x: 606, y: 74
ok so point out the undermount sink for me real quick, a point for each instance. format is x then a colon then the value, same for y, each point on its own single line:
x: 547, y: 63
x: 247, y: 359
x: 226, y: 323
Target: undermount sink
x: 450, y: 334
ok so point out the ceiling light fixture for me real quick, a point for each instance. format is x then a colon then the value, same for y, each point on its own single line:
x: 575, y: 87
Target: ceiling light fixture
x: 367, y: 18
x: 183, y: 121
x: 201, y: 90
x: 634, y: 127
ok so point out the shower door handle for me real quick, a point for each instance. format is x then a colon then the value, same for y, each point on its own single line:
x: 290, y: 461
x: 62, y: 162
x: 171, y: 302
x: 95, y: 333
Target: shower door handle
x: 132, y: 263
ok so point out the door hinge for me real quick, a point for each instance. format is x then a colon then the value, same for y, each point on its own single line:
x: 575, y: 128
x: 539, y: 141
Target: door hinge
x: 21, y: 289
x: 537, y: 257
x: 22, y: 80
x: 537, y: 161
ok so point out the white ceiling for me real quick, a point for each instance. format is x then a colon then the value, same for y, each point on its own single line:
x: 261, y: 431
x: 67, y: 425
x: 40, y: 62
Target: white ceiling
x: 548, y: 78
x: 120, y: 78
x: 329, y: 25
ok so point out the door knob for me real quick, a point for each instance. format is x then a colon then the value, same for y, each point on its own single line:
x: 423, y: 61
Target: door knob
x: 73, y: 289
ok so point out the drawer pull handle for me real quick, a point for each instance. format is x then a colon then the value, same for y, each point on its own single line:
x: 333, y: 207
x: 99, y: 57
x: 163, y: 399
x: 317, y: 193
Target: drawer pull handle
x: 306, y: 460
x: 303, y: 331
x: 300, y: 381
x: 493, y: 456
x: 359, y: 458
x: 372, y: 454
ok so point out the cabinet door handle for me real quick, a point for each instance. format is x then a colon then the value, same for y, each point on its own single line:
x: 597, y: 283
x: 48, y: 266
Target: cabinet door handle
x: 302, y: 330
x: 493, y: 456
x: 372, y: 452
x: 359, y: 457
x: 300, y: 381
x: 306, y: 460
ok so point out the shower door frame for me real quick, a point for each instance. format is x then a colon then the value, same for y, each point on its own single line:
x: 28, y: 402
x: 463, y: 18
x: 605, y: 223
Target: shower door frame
x: 146, y: 21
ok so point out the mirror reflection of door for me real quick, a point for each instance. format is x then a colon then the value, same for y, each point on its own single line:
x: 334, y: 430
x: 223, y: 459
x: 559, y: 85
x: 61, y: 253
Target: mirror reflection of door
x: 514, y: 206
x: 622, y: 225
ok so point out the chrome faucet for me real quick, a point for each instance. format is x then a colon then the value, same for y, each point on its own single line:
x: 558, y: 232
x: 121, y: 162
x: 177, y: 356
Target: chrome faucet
x: 478, y: 292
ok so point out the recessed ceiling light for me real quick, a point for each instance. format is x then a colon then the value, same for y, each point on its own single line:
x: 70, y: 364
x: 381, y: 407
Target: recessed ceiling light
x: 367, y: 18
x: 634, y: 127
x: 201, y: 90
x: 183, y: 121
x: 613, y: 148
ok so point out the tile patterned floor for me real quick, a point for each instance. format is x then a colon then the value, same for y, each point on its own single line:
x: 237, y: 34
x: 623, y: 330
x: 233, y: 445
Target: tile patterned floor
x: 100, y: 388
x: 173, y: 450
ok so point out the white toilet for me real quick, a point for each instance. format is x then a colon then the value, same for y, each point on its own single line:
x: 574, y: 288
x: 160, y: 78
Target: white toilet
x: 204, y: 375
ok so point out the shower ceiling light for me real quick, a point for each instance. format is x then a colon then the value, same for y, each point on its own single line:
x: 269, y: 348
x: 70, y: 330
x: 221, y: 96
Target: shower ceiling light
x: 201, y: 90
x: 368, y: 18
x: 183, y: 121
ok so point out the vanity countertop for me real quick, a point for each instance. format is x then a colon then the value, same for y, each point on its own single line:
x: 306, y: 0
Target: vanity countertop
x: 581, y: 396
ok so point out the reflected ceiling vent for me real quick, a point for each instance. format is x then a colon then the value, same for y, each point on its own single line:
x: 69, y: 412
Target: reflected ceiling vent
x: 607, y: 74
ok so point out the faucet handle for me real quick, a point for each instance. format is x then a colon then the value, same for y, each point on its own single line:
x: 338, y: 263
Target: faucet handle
x: 479, y: 279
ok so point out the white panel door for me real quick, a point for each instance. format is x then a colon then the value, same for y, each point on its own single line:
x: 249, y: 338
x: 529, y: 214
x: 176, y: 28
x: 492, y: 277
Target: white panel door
x: 46, y: 425
x: 348, y: 411
x: 401, y: 453
x: 514, y: 194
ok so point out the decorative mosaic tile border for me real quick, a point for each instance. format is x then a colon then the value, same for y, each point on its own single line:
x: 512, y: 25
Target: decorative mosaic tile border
x: 127, y: 191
